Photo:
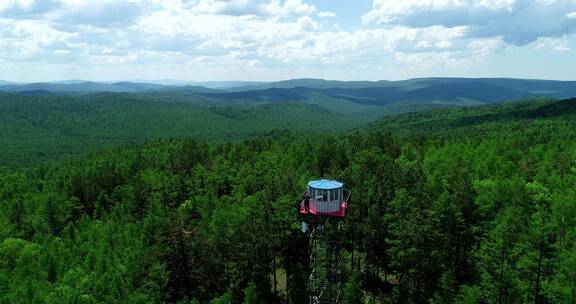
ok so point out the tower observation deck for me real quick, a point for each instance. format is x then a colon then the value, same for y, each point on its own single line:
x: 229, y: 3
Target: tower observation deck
x: 324, y: 199
x: 322, y: 209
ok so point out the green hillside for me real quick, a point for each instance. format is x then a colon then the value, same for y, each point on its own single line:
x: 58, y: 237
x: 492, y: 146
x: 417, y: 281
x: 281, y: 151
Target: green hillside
x: 36, y: 129
x: 466, y: 121
x: 471, y: 205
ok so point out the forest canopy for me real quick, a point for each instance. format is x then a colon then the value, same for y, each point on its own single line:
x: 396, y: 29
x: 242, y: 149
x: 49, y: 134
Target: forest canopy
x: 472, y: 205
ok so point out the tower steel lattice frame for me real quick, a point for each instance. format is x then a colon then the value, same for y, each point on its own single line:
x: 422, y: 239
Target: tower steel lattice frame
x: 325, y: 282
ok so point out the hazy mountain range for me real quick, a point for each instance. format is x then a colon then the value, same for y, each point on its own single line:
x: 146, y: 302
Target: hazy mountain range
x: 372, y: 98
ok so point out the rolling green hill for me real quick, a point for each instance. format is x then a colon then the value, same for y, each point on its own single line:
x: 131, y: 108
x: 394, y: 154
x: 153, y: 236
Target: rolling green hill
x: 35, y: 129
x: 465, y: 121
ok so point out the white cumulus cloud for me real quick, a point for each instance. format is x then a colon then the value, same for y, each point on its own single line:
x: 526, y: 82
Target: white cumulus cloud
x: 326, y: 14
x: 167, y: 38
x: 519, y: 22
x: 11, y: 4
x: 553, y: 44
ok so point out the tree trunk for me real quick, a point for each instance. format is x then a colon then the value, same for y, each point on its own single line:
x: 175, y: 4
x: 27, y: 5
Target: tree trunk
x: 287, y: 284
x: 352, y: 257
x: 537, y: 289
x: 501, y: 274
x: 275, y: 281
x: 184, y: 258
x: 574, y: 293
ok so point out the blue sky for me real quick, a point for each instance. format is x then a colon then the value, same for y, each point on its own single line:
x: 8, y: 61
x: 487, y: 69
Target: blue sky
x: 201, y: 40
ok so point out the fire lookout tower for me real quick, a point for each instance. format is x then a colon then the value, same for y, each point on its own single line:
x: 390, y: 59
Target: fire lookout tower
x: 322, y: 209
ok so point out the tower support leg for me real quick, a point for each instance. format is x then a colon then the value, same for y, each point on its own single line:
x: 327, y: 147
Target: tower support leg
x: 325, y: 274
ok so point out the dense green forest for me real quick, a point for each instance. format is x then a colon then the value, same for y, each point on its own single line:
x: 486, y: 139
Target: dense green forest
x: 465, y: 121
x: 34, y: 129
x: 472, y: 205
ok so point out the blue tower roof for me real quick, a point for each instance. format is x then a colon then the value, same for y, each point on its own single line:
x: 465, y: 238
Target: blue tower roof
x: 325, y: 184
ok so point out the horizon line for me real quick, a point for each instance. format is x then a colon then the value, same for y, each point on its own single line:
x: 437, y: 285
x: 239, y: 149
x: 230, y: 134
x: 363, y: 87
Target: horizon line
x: 152, y: 81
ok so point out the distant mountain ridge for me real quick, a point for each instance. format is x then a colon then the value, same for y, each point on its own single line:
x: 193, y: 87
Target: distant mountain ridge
x: 448, y: 91
x: 166, y: 83
x: 314, y: 83
x: 86, y: 87
x: 4, y: 82
x: 332, y: 94
x: 406, y: 84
